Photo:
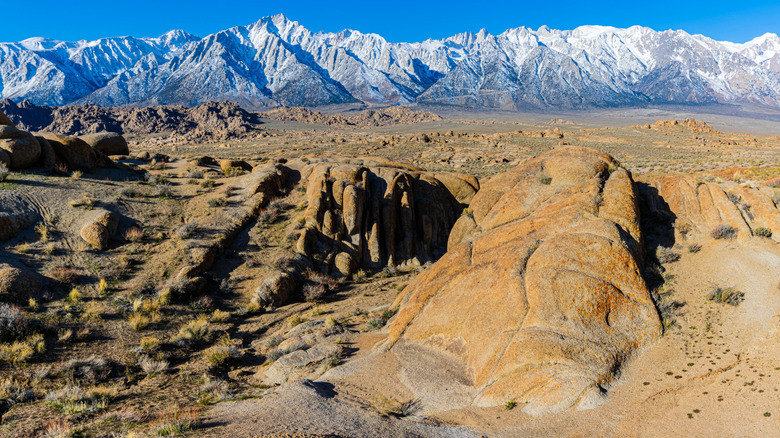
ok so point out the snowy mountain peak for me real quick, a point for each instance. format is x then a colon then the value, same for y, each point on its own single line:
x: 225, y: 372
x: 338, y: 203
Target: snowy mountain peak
x: 277, y: 61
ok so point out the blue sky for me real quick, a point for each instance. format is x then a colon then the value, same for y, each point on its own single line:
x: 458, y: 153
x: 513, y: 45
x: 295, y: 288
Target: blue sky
x: 396, y: 20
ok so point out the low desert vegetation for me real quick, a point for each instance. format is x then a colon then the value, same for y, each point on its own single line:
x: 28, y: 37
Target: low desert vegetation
x: 723, y: 231
x: 728, y: 295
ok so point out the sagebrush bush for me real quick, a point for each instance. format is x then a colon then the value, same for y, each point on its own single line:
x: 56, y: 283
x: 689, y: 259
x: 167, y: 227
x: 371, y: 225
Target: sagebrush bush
x: 187, y: 230
x: 762, y: 232
x: 314, y: 293
x: 14, y: 324
x: 197, y: 330
x: 666, y: 255
x: 727, y: 295
x: 723, y: 231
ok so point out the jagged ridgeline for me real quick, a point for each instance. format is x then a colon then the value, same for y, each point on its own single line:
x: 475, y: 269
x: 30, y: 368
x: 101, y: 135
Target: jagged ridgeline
x: 276, y: 61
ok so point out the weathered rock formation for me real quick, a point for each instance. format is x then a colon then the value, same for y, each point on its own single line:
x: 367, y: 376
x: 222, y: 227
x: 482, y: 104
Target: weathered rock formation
x: 16, y: 214
x: 376, y: 214
x: 696, y: 207
x: 17, y: 285
x: 76, y: 153
x: 540, y: 293
x: 100, y: 225
x: 256, y: 189
x: 109, y: 143
x: 21, y: 147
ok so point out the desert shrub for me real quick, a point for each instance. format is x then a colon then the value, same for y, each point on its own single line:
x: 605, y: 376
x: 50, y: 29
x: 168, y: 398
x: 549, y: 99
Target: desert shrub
x: 314, y: 293
x: 139, y: 322
x: 163, y: 190
x: 19, y: 352
x: 546, y: 180
x: 72, y: 399
x: 134, y: 234
x: 197, y: 330
x: 208, y: 183
x: 187, y: 230
x: 65, y: 274
x: 223, y: 353
x: 129, y: 192
x: 388, y: 271
x: 4, y: 172
x: 151, y: 366
x: 295, y: 320
x: 728, y: 295
x: 194, y: 174
x: 694, y: 248
x: 14, y: 324
x: 203, y: 302
x: 269, y: 215
x: 176, y: 421
x: 325, y: 280
x: 723, y: 231
x: 220, y: 316
x: 762, y: 232
x: 375, y: 323
x: 234, y: 171
x: 666, y: 255
x: 218, y: 202
x: 12, y: 392
x: 734, y: 198
x: 92, y: 369
x: 149, y: 344
x: 76, y: 175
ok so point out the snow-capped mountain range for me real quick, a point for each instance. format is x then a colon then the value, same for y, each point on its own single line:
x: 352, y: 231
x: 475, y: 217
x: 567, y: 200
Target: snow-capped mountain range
x: 276, y: 61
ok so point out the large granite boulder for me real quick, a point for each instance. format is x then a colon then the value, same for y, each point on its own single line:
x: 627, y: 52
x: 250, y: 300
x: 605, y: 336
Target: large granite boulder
x: 22, y: 147
x: 540, y: 293
x: 109, y: 143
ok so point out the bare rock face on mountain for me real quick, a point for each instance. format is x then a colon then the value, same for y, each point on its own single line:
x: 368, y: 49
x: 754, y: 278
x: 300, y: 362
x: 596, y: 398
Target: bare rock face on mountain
x: 698, y: 208
x: 21, y: 146
x: 376, y: 214
x: 109, y: 143
x: 540, y: 293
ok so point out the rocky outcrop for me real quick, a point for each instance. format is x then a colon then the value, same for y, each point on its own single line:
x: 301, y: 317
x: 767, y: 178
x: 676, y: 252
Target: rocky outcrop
x: 256, y: 189
x: 17, y: 285
x: 76, y: 153
x: 376, y: 214
x: 4, y: 120
x: 16, y: 214
x: 21, y: 146
x: 697, y: 207
x: 109, y: 143
x: 99, y: 227
x: 541, y: 293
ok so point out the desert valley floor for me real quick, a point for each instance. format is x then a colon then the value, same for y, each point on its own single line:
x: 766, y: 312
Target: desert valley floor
x: 388, y: 273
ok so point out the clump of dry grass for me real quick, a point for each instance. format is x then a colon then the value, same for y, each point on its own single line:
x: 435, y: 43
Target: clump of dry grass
x: 134, y: 234
x: 176, y: 421
x: 152, y: 366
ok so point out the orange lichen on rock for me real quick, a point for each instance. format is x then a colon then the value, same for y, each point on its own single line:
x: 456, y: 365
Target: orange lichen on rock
x: 540, y: 292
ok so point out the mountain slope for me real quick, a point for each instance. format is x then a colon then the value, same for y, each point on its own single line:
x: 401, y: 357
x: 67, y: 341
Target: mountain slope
x: 276, y: 61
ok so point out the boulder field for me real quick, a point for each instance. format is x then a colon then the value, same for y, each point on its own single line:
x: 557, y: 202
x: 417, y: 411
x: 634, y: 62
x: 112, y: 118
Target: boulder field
x: 21, y: 149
